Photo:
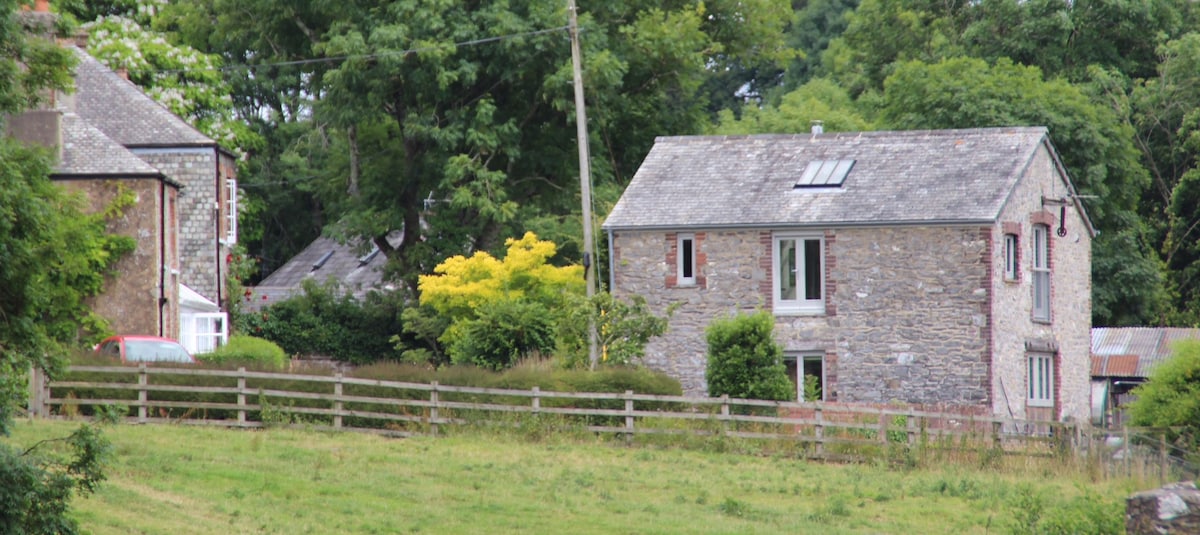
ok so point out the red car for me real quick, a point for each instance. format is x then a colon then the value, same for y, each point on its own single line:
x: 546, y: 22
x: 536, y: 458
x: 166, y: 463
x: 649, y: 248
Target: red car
x: 142, y: 348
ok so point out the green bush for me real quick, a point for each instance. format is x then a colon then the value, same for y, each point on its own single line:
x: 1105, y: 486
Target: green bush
x: 325, y: 320
x: 744, y: 361
x: 502, y: 333
x: 1170, y: 398
x: 248, y: 350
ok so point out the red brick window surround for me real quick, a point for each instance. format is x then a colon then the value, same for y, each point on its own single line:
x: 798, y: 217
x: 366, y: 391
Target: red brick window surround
x: 1041, y: 268
x: 685, y: 260
x: 1011, y: 260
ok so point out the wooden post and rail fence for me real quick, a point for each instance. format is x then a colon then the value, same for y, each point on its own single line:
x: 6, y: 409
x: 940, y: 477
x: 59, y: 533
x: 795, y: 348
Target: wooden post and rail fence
x: 251, y: 399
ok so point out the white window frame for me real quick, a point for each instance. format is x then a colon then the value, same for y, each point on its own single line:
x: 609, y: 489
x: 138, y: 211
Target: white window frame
x: 685, y: 263
x: 214, y: 335
x: 798, y: 304
x: 1040, y: 272
x: 1039, y: 391
x: 231, y: 212
x: 1012, y: 259
x: 800, y: 359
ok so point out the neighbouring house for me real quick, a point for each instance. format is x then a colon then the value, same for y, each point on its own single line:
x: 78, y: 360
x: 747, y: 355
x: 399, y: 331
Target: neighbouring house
x: 323, y: 260
x: 1122, y: 358
x: 946, y: 269
x: 111, y: 138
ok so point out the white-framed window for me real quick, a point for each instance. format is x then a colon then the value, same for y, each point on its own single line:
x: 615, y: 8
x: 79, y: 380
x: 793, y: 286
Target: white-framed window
x: 1040, y: 392
x: 231, y: 212
x: 685, y: 259
x: 798, y: 273
x: 204, y: 332
x: 1011, y: 258
x: 1040, y: 272
x: 805, y: 370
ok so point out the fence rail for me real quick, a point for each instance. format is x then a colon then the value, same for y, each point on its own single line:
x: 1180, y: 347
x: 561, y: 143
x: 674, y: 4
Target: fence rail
x: 245, y: 398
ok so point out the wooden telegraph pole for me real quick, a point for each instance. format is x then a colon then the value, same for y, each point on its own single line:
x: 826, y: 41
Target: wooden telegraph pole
x: 585, y: 179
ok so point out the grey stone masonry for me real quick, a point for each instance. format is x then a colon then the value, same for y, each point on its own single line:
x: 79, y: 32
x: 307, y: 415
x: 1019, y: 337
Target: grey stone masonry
x: 1174, y: 508
x: 200, y: 252
x: 927, y: 258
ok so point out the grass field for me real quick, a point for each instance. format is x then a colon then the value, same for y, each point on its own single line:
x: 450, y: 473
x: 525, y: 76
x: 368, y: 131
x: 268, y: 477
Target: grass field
x: 182, y: 480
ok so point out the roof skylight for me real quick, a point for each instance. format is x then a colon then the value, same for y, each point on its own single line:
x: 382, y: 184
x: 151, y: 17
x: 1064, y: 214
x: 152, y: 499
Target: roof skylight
x: 825, y: 173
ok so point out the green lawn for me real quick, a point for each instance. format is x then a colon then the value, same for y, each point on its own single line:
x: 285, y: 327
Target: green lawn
x: 179, y: 480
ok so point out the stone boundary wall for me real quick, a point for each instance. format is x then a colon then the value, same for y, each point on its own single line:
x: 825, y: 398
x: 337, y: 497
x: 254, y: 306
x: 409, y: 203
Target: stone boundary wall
x: 1173, y: 509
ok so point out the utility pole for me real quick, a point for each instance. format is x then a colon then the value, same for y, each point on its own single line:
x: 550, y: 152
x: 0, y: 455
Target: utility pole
x: 585, y: 178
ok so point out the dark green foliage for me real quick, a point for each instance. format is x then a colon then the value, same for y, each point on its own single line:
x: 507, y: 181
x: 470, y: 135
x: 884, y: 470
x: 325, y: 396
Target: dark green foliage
x: 1036, y: 513
x: 744, y: 361
x: 502, y: 333
x: 248, y: 350
x: 326, y: 321
x: 36, y: 485
x: 622, y: 328
x: 1170, y: 398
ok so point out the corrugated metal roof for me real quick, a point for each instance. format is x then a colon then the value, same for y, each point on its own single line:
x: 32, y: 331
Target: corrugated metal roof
x: 1115, y: 347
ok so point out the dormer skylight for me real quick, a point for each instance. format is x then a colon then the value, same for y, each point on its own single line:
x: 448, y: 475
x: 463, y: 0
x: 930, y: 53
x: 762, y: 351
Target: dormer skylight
x: 825, y: 174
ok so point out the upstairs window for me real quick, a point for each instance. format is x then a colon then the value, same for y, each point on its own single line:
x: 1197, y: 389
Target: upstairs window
x: 1041, y: 272
x: 231, y: 212
x: 685, y: 259
x: 1011, y: 258
x: 799, y: 274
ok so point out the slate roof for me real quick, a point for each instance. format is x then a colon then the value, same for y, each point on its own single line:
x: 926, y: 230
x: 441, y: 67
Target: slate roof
x: 355, y: 271
x: 910, y: 177
x: 1134, y: 351
x: 87, y: 152
x: 122, y: 111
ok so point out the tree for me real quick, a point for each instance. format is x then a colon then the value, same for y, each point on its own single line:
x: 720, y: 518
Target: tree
x: 52, y: 256
x: 1093, y: 141
x: 818, y: 100
x: 499, y: 310
x: 1170, y: 397
x: 451, y: 121
x: 744, y: 361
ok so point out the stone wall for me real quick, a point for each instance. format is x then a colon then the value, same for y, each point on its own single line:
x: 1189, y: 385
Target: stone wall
x: 878, y: 346
x: 200, y: 214
x: 1069, y: 329
x: 130, y: 301
x: 1174, y: 508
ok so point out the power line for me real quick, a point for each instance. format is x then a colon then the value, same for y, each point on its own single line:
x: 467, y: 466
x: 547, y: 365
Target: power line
x: 333, y: 59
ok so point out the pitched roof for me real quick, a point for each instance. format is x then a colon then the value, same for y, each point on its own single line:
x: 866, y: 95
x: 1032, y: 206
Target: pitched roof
x: 124, y: 113
x: 912, y: 177
x: 87, y: 152
x: 323, y: 259
x: 1114, y: 347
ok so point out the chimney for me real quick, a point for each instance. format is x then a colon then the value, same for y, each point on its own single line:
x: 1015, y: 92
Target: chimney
x: 40, y: 20
x: 38, y: 127
x: 818, y: 126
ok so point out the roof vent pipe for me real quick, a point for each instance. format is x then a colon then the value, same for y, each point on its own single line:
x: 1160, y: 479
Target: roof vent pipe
x: 818, y: 126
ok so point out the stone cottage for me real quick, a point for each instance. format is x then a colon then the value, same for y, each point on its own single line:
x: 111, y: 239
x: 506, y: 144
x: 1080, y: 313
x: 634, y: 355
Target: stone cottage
x: 111, y: 138
x: 207, y: 208
x: 946, y: 269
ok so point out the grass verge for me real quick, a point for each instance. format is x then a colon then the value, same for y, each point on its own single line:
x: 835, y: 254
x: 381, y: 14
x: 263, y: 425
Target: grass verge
x: 183, y: 480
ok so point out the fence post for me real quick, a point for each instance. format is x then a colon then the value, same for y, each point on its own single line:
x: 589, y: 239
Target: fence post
x: 819, y: 429
x: 337, y: 400
x: 911, y: 424
x: 883, y: 426
x: 1128, y: 456
x: 1162, y: 458
x: 997, y: 426
x: 537, y: 400
x: 143, y: 380
x: 628, y: 416
x: 725, y: 414
x: 433, y: 408
x: 37, y: 403
x: 241, y: 395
